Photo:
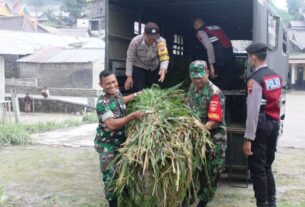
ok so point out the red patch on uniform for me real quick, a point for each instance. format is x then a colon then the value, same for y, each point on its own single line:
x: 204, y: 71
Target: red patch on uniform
x: 215, y: 112
x: 250, y: 86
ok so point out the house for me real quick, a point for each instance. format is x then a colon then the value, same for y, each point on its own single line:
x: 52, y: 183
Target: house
x: 4, y: 9
x: 17, y: 44
x: 296, y: 35
x: 59, y: 67
x: 19, y: 23
x: 95, y: 13
x: 13, y: 8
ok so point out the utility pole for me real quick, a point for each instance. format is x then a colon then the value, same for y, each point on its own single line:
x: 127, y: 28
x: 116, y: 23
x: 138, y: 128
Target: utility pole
x: 15, y: 103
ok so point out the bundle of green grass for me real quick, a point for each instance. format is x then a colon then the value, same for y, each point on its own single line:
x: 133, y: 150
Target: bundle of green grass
x: 164, y: 154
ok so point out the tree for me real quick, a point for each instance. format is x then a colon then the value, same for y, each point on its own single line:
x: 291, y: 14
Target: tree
x: 295, y: 7
x: 36, y: 3
x: 285, y: 16
x: 74, y: 7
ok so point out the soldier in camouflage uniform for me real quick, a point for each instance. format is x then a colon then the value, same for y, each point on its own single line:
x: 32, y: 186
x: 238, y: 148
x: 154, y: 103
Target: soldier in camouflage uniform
x: 110, y: 133
x: 207, y: 103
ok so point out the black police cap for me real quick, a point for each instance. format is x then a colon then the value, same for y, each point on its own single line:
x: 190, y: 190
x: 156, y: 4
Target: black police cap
x: 256, y: 48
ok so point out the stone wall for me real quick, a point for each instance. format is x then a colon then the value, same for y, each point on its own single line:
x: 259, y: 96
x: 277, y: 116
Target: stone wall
x: 75, y: 92
x: 32, y: 82
x: 55, y: 106
x: 59, y: 75
x: 11, y: 67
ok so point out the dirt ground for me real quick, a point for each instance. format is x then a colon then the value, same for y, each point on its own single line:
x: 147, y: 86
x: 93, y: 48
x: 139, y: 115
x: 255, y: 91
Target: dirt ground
x: 58, y: 176
x: 43, y: 117
x: 64, y: 177
x: 50, y: 176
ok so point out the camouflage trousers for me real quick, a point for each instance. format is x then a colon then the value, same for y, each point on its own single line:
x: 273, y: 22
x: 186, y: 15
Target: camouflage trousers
x: 215, y: 161
x: 107, y: 152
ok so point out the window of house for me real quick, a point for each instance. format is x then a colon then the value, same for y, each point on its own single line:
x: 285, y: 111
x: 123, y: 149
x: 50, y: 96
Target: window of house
x: 178, y: 45
x: 273, y: 30
x: 100, y: 11
x: 137, y: 28
x: 284, y: 41
x: 95, y: 25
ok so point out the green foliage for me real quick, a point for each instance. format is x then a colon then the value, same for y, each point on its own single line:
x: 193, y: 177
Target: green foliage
x: 19, y: 134
x: 157, y: 164
x: 74, y: 7
x: 295, y: 7
x: 90, y: 118
x: 1, y: 193
x: 11, y: 134
x: 284, y: 15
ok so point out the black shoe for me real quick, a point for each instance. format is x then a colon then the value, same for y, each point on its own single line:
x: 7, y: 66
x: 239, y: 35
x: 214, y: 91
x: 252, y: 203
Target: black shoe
x: 272, y: 201
x: 202, y: 204
x: 262, y: 204
x: 113, y: 203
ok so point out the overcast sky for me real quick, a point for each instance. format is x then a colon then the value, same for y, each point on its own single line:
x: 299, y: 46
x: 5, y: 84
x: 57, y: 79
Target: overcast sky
x: 282, y: 4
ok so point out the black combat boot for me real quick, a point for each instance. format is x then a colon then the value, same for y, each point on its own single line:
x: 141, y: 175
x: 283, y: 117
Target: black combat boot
x: 271, y: 201
x: 113, y: 203
x: 260, y: 204
x: 202, y: 204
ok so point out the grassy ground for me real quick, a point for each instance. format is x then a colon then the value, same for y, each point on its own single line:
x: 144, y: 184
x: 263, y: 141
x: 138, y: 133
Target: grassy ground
x: 48, y: 176
x: 64, y: 177
x: 16, y: 134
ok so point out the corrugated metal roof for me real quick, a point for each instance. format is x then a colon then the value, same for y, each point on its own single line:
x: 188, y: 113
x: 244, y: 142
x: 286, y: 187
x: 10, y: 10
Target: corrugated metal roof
x: 77, y: 32
x: 293, y: 24
x: 64, y: 55
x: 297, y: 37
x: 24, y: 43
x: 16, y: 23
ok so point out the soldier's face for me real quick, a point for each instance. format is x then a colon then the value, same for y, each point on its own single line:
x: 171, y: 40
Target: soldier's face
x: 110, y: 84
x: 200, y: 82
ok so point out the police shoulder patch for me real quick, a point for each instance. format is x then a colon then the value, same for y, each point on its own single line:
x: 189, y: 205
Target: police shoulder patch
x: 272, y: 83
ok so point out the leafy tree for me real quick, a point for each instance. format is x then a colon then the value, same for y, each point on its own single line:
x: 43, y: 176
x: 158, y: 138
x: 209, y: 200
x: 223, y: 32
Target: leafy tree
x: 74, y: 7
x: 285, y: 16
x: 295, y: 7
x: 35, y: 2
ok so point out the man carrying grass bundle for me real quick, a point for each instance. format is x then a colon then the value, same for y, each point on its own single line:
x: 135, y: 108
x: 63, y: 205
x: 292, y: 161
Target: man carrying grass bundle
x: 207, y: 103
x: 113, y: 118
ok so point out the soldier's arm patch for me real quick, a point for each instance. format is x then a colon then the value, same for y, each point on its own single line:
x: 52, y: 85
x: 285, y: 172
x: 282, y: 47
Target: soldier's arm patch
x: 250, y: 86
x: 215, y: 112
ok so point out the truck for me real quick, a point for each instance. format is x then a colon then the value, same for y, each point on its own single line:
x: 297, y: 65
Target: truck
x: 242, y: 20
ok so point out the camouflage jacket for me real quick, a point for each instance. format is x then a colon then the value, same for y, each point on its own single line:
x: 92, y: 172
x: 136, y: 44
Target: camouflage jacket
x: 110, y: 107
x: 208, y: 103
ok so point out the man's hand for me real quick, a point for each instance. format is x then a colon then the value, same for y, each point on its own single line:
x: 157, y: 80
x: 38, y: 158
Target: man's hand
x: 162, y: 75
x: 247, y: 148
x: 212, y: 71
x: 128, y: 83
x: 137, y: 115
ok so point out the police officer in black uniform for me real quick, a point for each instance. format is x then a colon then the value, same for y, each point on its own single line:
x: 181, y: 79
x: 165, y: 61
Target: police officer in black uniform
x: 220, y: 53
x: 264, y: 89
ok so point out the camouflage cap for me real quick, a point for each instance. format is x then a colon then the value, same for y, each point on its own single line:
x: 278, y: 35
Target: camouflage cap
x: 198, y: 69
